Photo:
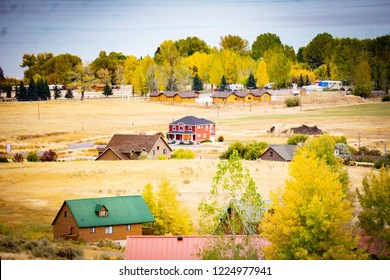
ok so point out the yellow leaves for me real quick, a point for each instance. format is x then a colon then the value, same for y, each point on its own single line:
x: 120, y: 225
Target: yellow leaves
x: 311, y: 214
x: 261, y: 74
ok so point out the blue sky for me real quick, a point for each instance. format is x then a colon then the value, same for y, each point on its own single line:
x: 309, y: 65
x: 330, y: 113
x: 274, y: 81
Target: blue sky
x: 84, y: 28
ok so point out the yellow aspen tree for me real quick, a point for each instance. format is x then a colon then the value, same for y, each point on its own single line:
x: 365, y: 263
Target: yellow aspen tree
x: 261, y: 74
x: 130, y: 65
x: 311, y: 217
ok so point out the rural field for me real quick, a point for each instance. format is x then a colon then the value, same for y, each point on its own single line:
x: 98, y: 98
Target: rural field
x: 31, y: 193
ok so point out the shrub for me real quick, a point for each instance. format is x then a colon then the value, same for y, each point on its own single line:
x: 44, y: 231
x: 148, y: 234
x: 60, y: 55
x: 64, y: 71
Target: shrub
x: 32, y: 156
x: 17, y: 158
x: 183, y: 154
x: 162, y: 157
x: 221, y: 138
x: 297, y: 138
x: 386, y: 98
x: 69, y: 94
x: 250, y: 151
x: 3, y: 159
x: 292, y: 101
x: 49, y: 155
x: 143, y: 156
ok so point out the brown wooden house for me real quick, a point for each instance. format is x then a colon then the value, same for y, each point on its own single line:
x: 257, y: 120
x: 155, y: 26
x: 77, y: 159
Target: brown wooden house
x: 279, y: 153
x: 130, y: 146
x: 93, y: 219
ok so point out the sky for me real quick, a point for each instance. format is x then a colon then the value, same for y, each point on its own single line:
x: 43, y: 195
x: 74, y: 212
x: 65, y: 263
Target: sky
x: 138, y: 27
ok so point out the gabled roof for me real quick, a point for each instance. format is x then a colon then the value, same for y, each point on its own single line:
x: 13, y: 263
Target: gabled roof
x: 192, y: 120
x: 184, y: 94
x: 174, y: 247
x: 284, y: 151
x: 121, y: 210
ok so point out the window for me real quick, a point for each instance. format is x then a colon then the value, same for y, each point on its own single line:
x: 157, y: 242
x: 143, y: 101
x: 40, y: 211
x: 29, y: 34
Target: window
x: 207, y: 127
x: 66, y: 214
x: 174, y: 128
x: 158, y: 148
x: 164, y: 151
x: 108, y: 230
x: 204, y: 135
x: 271, y: 153
x: 128, y: 227
x: 92, y: 230
x: 154, y: 152
x: 103, y: 213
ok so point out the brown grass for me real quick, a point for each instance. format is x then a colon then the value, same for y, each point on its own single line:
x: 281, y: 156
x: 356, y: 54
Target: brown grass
x: 31, y: 193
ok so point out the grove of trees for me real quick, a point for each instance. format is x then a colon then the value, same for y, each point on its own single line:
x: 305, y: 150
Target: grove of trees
x: 363, y: 64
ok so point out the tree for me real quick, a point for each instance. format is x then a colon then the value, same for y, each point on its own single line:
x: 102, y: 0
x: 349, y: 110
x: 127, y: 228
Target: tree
x: 311, y: 217
x: 278, y: 67
x: 363, y: 85
x: 49, y: 155
x: 232, y: 186
x: 57, y: 92
x: 263, y: 43
x: 171, y: 217
x: 32, y: 156
x: 324, y: 147
x: 191, y: 45
x: 69, y: 94
x: 319, y: 51
x: 234, y: 43
x: 107, y: 90
x: 297, y: 138
x: 374, y: 218
x: 21, y: 92
x: 197, y: 83
x: 261, y: 74
x: 251, y: 82
x: 224, y: 84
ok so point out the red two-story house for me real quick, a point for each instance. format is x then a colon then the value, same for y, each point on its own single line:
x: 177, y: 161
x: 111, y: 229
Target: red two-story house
x: 191, y: 129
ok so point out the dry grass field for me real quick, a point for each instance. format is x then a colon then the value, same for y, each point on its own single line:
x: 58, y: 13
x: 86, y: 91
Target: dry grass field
x: 31, y: 193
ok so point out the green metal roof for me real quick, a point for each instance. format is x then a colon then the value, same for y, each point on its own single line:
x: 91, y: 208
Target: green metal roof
x: 121, y: 210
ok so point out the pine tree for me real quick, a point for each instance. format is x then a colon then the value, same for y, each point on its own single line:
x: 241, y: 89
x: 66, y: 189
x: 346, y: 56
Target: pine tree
x: 224, y: 84
x: 32, y: 91
x: 197, y: 83
x: 251, y: 84
x: 69, y: 94
x: 301, y: 82
x: 57, y: 92
x: 107, y: 90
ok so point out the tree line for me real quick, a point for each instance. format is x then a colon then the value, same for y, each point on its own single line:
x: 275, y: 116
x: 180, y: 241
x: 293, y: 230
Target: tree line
x: 363, y: 64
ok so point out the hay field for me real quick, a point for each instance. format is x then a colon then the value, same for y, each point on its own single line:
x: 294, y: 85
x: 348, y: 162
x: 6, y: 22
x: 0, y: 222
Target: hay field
x: 31, y: 193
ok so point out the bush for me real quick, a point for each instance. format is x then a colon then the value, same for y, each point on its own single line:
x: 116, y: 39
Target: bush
x: 69, y: 94
x: 162, y: 157
x: 292, y: 101
x: 143, y: 156
x: 183, y: 154
x: 32, y: 156
x: 297, y: 138
x: 221, y: 138
x: 386, y: 98
x: 49, y: 155
x: 17, y: 158
x: 250, y: 151
x: 3, y: 159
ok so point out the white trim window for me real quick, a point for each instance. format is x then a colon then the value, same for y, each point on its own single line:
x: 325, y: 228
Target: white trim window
x: 128, y: 227
x: 92, y: 230
x: 109, y: 230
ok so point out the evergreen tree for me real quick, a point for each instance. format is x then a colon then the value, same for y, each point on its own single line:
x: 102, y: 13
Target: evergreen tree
x: 107, y: 90
x: 301, y: 81
x: 8, y: 90
x: 251, y: 84
x: 21, y: 92
x: 57, y: 92
x: 224, y: 84
x: 307, y: 81
x: 32, y: 91
x: 69, y: 94
x: 197, y: 83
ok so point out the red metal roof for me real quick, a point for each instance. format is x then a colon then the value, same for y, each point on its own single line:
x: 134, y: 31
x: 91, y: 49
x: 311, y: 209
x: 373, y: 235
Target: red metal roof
x: 151, y: 247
